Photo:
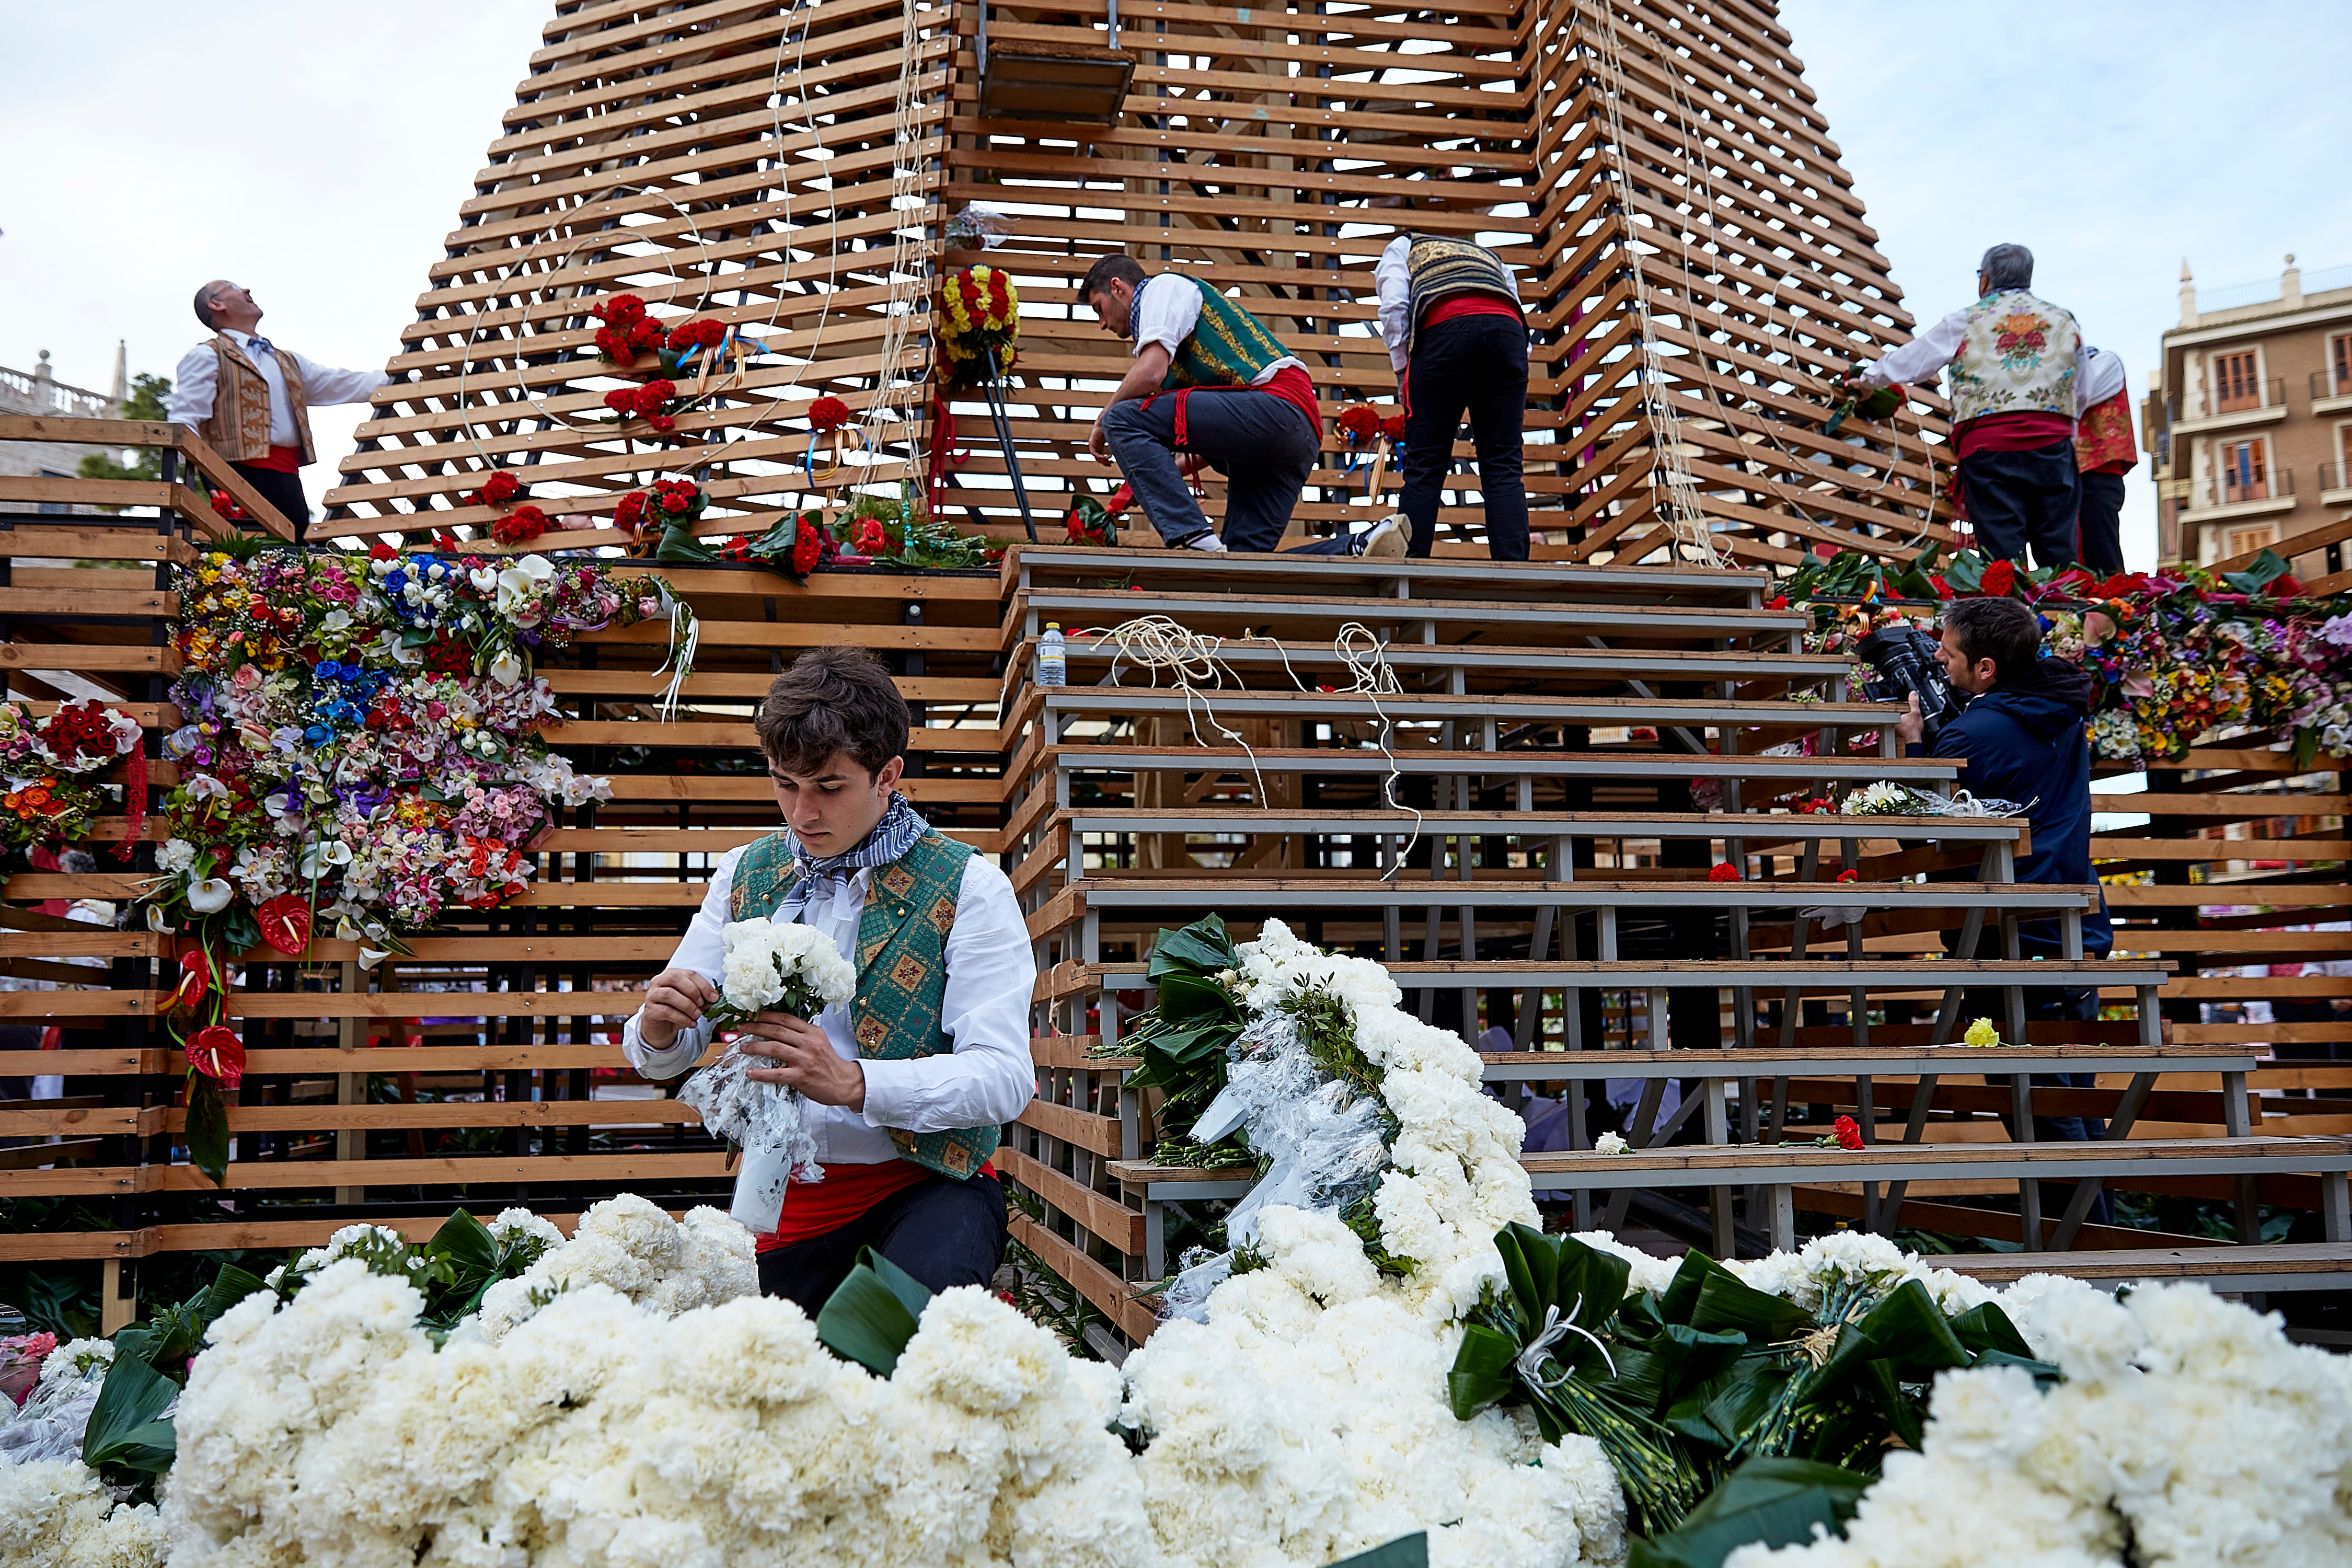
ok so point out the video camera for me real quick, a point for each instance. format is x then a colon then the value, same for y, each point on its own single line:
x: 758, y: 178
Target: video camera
x: 1905, y: 662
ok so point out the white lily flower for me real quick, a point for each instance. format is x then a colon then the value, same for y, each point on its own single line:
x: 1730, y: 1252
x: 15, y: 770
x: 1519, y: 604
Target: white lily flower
x: 156, y: 923
x: 372, y: 956
x: 485, y: 579
x: 211, y: 896
x: 507, y: 668
x: 346, y: 931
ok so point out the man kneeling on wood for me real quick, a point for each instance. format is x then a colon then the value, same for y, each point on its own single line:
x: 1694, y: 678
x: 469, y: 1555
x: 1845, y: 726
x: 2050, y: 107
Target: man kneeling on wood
x: 910, y: 1082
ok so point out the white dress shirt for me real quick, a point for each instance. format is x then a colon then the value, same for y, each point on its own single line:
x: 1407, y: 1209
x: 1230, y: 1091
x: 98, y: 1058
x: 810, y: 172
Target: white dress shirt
x: 1394, y: 277
x: 1170, y: 308
x: 983, y: 1083
x: 1923, y: 359
x: 198, y: 379
x: 2100, y: 377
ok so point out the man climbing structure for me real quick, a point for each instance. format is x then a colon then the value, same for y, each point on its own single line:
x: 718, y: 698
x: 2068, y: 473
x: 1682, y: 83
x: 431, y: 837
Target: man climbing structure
x: 1210, y: 382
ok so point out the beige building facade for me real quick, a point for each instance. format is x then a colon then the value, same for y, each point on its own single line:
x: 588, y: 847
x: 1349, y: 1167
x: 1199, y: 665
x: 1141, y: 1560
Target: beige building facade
x: 2249, y: 420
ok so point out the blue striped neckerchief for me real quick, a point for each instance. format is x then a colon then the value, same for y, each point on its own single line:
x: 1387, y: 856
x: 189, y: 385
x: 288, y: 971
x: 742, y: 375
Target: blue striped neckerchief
x: 892, y: 837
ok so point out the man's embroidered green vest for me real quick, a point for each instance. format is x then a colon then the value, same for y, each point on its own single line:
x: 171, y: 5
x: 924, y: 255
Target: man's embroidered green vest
x: 902, y: 969
x: 1228, y: 346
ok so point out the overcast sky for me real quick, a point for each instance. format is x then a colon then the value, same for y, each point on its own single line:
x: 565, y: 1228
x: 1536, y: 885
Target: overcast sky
x: 316, y: 152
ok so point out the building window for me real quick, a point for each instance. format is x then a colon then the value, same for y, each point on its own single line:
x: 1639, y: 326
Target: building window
x: 2246, y: 541
x: 2339, y: 364
x: 2237, y: 383
x: 2245, y: 470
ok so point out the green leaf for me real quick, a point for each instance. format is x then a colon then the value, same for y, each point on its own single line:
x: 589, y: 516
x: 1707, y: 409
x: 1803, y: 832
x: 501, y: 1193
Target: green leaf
x: 678, y: 545
x: 2260, y: 573
x: 207, y: 1127
x: 1404, y: 1551
x: 1907, y: 1330
x: 874, y: 1313
x: 1190, y: 999
x: 123, y: 1429
x: 466, y: 1242
x: 1204, y: 948
x: 1772, y: 1502
x: 228, y: 1287
x: 1966, y: 573
x: 1985, y: 1326
x: 1482, y: 1370
x: 2306, y: 746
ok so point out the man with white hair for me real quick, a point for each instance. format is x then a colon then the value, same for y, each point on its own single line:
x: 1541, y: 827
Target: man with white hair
x: 251, y: 400
x: 2012, y: 364
x: 2103, y: 454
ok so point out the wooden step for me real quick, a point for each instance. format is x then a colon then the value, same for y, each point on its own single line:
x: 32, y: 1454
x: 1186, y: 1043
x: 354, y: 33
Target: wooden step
x: 1504, y: 1067
x: 1037, y: 565
x: 2276, y: 1266
x: 1420, y: 620
x: 1054, y: 704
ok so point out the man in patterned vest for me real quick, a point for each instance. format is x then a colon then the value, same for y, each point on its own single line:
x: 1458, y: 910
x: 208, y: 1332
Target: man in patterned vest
x: 1451, y: 317
x: 251, y: 400
x: 910, y: 1082
x: 1261, y: 425
x: 2011, y: 362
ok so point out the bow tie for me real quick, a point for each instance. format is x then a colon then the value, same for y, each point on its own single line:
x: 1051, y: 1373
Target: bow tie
x: 258, y: 345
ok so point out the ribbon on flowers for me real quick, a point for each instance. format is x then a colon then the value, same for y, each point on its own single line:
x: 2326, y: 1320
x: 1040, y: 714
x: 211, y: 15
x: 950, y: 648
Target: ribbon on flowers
x: 685, y: 639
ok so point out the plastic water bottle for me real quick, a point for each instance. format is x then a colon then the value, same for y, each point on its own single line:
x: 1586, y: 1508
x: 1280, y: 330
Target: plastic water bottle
x: 1053, y: 663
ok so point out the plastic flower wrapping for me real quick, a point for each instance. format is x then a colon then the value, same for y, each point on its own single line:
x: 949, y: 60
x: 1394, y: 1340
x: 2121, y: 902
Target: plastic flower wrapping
x: 360, y: 752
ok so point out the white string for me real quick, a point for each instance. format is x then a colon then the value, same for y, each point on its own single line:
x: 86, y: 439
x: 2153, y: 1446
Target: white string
x: 683, y: 646
x: 1556, y: 1328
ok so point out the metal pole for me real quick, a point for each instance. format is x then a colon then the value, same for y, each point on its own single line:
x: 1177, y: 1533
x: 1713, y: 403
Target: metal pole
x: 1005, y: 439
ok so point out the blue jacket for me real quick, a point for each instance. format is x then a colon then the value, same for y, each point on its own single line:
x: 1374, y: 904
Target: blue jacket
x: 2026, y: 740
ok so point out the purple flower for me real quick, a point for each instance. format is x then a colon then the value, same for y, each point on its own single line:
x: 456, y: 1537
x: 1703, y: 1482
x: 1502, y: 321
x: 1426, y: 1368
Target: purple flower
x: 2337, y: 631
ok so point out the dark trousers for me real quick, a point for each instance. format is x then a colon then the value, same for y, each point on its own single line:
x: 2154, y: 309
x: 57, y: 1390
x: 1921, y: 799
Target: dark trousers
x: 280, y: 489
x: 2101, y: 531
x: 1264, y: 446
x: 1476, y: 364
x: 942, y: 1231
x: 2017, y: 498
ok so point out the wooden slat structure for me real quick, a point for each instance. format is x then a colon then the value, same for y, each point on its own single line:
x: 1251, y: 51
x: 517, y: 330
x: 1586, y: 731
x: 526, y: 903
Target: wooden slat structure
x: 1691, y: 255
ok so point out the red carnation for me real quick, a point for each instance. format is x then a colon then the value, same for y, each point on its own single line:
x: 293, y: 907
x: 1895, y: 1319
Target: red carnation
x: 379, y: 550
x: 501, y: 488
x: 1848, y: 875
x: 662, y: 424
x: 644, y: 333
x: 2286, y: 585
x: 216, y: 1052
x: 1393, y: 427
x: 698, y: 334
x: 620, y: 309
x: 1359, y: 423
x: 869, y: 536
x: 828, y: 413
x: 519, y: 526
x: 1847, y: 1132
x: 622, y: 400
x: 630, y: 511
x: 808, y: 549
x: 1999, y: 580
x: 1725, y: 871
x: 654, y: 393
x: 225, y: 504
x: 1943, y: 589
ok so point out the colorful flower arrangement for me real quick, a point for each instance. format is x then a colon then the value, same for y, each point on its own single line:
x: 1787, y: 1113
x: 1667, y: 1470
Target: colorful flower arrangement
x: 47, y: 796
x: 977, y: 325
x: 361, y: 747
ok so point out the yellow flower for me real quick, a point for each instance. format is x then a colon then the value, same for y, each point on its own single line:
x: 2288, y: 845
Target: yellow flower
x: 1982, y: 1033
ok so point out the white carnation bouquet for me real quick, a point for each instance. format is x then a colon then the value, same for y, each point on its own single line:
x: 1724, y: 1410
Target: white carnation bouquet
x: 1886, y: 799
x: 771, y: 966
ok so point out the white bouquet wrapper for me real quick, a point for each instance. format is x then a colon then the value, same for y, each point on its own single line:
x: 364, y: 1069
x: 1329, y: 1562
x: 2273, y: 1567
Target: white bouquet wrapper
x: 769, y: 966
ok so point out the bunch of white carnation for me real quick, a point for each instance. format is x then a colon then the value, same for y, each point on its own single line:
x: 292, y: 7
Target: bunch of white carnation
x: 628, y: 1243
x: 781, y: 966
x: 2187, y: 1425
x: 56, y: 1514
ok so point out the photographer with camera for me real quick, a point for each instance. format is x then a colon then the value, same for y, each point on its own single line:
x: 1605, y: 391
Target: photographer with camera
x: 2023, y: 736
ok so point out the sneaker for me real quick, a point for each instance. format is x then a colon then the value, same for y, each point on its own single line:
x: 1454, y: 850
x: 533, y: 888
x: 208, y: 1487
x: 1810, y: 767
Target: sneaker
x: 1385, y: 540
x: 1208, y: 542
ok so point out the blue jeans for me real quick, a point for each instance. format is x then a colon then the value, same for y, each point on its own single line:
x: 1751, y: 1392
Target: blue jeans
x: 1264, y: 446
x: 1476, y: 364
x: 942, y: 1231
x: 2017, y: 498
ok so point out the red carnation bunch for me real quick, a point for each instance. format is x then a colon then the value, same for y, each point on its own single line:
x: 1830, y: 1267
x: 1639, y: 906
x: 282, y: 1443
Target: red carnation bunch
x: 627, y: 330
x: 501, y: 487
x: 1999, y: 580
x: 828, y: 413
x: 808, y: 549
x: 649, y: 402
x: 519, y: 526
x: 675, y: 497
x: 1392, y: 428
x: 379, y: 550
x: 1845, y: 1133
x: 226, y: 505
x: 1359, y: 424
x: 629, y: 512
x: 1724, y: 871
x: 705, y: 333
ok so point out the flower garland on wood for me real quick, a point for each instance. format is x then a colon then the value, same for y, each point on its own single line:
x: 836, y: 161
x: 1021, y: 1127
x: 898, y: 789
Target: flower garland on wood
x: 46, y: 795
x: 361, y: 747
x: 979, y: 313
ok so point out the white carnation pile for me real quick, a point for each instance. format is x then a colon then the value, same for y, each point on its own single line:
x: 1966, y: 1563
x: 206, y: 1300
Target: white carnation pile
x: 627, y: 1243
x: 2188, y: 1428
x: 56, y: 1514
x: 772, y: 964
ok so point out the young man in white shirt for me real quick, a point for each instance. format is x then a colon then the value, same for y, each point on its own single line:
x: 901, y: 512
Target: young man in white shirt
x: 1451, y: 317
x: 1210, y: 383
x: 909, y: 1083
x: 251, y: 400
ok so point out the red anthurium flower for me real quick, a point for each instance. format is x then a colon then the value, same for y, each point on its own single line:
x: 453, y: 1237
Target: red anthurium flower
x: 216, y: 1052
x: 195, y: 980
x: 285, y: 922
